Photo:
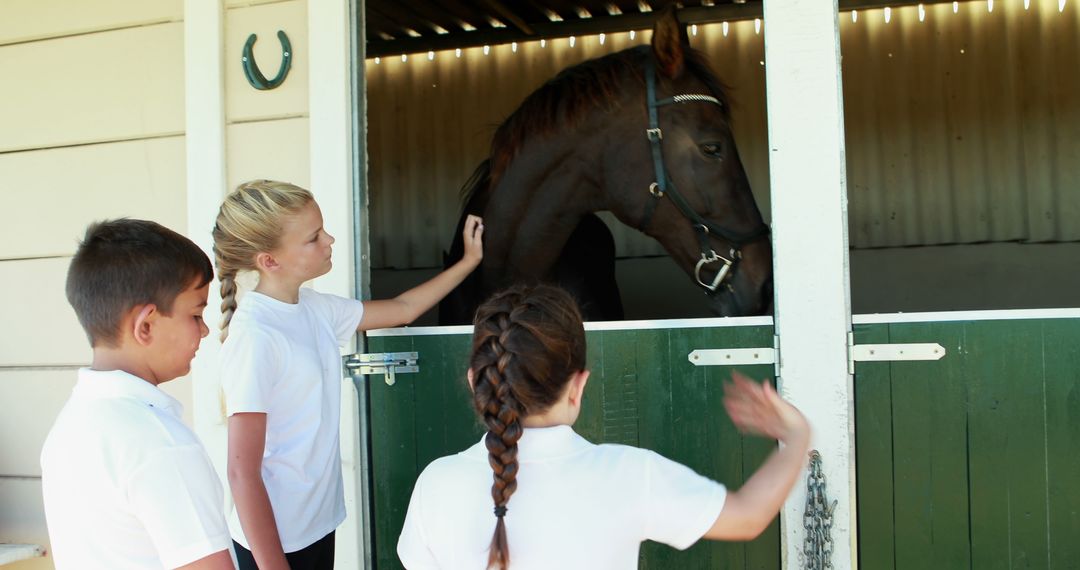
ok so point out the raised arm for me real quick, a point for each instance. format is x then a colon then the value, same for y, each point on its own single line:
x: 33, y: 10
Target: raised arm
x: 408, y: 306
x: 247, y: 439
x: 758, y: 409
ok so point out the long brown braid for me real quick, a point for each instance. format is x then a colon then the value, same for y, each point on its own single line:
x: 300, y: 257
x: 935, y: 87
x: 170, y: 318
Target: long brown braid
x: 527, y: 342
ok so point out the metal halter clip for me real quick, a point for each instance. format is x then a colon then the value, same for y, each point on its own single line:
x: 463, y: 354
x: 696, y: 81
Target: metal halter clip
x: 655, y: 190
x: 712, y: 257
x: 654, y: 134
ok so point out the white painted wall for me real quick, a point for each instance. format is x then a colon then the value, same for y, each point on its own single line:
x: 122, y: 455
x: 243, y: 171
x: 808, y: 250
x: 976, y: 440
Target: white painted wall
x: 112, y: 147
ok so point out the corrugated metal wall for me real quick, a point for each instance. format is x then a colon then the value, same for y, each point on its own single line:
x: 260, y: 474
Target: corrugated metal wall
x: 961, y: 128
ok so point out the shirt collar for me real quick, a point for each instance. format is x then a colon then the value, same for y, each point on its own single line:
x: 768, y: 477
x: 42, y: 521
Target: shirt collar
x: 93, y: 384
x: 542, y: 444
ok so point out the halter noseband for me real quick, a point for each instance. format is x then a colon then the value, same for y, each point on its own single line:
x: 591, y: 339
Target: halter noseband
x: 664, y: 186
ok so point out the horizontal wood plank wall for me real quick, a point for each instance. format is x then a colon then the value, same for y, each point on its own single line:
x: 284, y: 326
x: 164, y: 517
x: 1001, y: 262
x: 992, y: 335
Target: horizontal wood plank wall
x: 30, y: 20
x: 267, y: 134
x: 118, y: 85
x: 960, y: 128
x: 290, y: 99
x: 70, y: 187
x: 277, y: 150
x: 33, y: 395
x: 93, y: 119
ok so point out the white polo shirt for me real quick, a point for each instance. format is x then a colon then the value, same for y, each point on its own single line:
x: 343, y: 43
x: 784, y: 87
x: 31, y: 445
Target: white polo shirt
x: 283, y: 359
x: 577, y: 505
x: 126, y: 483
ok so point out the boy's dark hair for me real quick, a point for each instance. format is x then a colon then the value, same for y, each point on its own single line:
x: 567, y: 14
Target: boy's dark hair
x: 124, y: 263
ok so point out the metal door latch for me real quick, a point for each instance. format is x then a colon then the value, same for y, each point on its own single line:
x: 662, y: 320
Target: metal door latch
x: 389, y: 364
x: 891, y: 352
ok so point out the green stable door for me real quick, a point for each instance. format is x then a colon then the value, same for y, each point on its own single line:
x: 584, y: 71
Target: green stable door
x: 971, y: 461
x: 643, y: 391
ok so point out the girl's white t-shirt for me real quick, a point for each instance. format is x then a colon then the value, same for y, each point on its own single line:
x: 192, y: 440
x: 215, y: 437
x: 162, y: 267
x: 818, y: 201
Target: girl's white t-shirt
x: 577, y: 505
x: 283, y: 360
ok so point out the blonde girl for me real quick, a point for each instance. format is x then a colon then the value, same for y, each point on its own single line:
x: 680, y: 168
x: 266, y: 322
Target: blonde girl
x: 532, y: 494
x: 281, y: 370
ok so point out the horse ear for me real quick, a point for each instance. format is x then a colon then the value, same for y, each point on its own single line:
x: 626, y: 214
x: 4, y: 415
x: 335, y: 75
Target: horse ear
x: 669, y: 43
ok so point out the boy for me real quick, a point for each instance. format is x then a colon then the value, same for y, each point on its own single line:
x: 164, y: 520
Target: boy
x: 126, y: 483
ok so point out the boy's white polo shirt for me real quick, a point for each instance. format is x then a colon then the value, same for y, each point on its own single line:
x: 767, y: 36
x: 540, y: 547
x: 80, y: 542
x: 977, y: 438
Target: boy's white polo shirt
x: 577, y: 505
x: 126, y: 484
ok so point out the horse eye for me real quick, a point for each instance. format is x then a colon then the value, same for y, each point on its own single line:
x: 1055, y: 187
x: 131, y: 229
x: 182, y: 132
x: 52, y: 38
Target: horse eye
x: 712, y: 150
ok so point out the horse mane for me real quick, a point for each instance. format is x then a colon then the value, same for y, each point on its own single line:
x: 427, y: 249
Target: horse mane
x: 566, y: 99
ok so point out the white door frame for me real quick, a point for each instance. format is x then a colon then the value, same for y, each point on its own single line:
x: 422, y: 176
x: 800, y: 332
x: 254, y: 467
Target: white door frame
x: 810, y: 253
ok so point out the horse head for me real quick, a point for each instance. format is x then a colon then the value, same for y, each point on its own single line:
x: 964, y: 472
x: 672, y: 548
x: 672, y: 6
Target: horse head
x: 689, y: 190
x: 645, y: 134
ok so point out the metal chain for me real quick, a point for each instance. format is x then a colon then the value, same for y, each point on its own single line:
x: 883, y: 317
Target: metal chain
x: 817, y: 520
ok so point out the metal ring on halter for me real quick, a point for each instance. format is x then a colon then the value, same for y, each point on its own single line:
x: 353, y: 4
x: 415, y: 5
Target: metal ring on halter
x: 655, y: 190
x: 720, y: 275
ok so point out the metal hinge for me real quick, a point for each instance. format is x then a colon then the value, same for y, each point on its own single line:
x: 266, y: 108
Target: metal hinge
x: 389, y: 364
x: 891, y: 352
x: 736, y: 356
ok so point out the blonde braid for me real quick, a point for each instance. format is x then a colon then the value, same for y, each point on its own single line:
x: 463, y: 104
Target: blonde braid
x: 250, y: 222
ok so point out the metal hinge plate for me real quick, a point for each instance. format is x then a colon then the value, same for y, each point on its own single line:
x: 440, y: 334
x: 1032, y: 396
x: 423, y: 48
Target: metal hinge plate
x: 891, y: 352
x: 732, y: 356
x: 737, y: 356
x: 389, y: 364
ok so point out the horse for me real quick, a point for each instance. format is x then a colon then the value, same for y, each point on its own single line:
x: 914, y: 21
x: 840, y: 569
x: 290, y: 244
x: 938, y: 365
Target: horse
x: 616, y: 133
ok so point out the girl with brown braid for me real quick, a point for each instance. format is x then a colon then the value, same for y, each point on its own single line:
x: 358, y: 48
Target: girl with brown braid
x: 555, y: 500
x: 281, y: 370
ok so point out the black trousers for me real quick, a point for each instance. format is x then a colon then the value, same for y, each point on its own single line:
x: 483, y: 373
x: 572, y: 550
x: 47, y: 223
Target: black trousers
x: 318, y: 556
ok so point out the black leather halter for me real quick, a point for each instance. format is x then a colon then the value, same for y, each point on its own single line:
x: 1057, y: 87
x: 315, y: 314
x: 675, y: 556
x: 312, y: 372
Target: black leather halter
x: 664, y: 186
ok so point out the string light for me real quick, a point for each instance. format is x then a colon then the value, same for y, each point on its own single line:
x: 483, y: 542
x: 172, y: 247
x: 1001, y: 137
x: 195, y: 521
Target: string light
x: 404, y: 58
x: 431, y: 56
x: 854, y: 16
x: 1027, y: 4
x: 572, y: 41
x: 693, y: 29
x: 457, y: 52
x: 922, y: 12
x: 757, y: 25
x: 487, y: 50
x: 601, y: 38
x: 888, y: 14
x: 724, y: 26
x: 1061, y: 5
x: 955, y: 7
x: 632, y: 34
x: 513, y: 47
x: 989, y: 6
x: 377, y: 61
x: 543, y: 43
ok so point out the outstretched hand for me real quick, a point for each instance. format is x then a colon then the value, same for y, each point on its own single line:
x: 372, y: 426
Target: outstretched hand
x: 473, y: 237
x: 757, y: 409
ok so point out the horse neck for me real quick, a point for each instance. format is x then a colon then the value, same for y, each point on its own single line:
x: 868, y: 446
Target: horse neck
x: 536, y: 205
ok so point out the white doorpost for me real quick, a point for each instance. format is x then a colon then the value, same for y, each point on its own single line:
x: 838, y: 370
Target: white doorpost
x: 330, y: 59
x: 204, y: 101
x: 809, y: 216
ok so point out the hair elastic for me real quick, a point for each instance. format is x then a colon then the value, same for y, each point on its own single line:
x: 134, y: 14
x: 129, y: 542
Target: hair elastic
x: 500, y: 512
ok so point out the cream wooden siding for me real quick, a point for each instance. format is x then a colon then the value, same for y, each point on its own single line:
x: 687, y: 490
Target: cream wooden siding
x: 267, y: 132
x: 93, y: 117
x: 942, y: 146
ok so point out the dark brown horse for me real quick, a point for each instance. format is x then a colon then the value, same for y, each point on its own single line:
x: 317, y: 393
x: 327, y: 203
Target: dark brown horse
x: 644, y: 133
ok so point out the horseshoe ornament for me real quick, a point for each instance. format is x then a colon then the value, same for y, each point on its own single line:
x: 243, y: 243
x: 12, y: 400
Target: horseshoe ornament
x: 251, y: 68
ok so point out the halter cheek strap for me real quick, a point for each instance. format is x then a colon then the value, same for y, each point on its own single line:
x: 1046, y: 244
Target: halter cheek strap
x: 663, y: 186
